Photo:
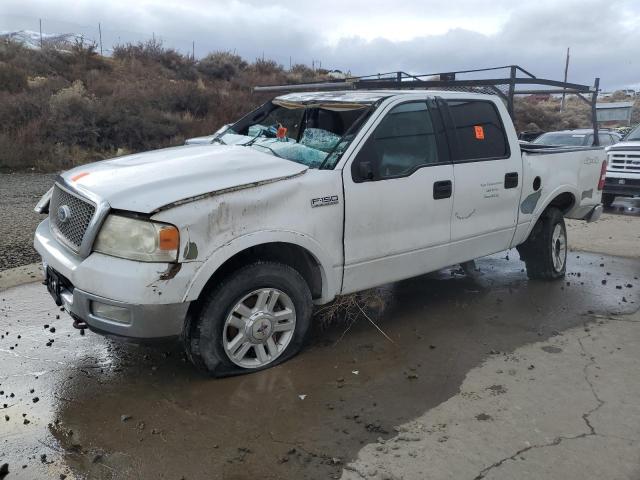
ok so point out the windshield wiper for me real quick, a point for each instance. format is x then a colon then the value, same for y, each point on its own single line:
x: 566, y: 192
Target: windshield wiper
x: 219, y: 139
x: 252, y: 141
x: 268, y: 148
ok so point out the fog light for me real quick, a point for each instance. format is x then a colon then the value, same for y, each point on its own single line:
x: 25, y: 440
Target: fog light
x: 111, y: 312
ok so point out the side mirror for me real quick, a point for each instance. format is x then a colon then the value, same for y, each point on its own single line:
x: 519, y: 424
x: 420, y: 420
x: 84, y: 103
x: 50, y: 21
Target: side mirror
x: 362, y: 168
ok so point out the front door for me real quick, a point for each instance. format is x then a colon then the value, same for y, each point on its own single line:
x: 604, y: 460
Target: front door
x: 398, y: 199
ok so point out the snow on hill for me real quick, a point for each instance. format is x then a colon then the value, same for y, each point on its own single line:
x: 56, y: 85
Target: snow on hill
x: 31, y: 39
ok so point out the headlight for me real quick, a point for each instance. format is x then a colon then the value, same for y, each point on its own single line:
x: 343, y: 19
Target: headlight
x: 43, y: 205
x: 136, y: 239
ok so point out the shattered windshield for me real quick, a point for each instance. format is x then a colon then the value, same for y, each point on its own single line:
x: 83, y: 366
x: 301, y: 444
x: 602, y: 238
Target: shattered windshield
x: 315, y: 135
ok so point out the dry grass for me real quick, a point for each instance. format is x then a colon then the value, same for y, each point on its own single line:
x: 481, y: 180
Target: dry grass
x: 346, y: 310
x: 61, y: 109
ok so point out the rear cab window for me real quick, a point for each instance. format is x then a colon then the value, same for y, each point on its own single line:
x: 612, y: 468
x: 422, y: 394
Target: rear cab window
x: 477, y: 130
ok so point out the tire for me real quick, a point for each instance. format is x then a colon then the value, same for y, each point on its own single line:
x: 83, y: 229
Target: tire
x: 545, y: 251
x: 607, y: 199
x: 257, y: 317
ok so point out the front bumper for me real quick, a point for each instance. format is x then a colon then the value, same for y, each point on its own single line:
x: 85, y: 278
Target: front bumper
x: 623, y: 186
x: 152, y: 293
x: 145, y: 321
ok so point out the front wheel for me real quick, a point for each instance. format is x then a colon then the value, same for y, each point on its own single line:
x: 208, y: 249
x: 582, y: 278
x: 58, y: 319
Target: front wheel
x: 545, y: 251
x: 257, y: 317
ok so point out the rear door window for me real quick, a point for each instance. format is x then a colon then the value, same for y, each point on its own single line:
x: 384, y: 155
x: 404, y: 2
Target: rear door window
x: 478, y: 130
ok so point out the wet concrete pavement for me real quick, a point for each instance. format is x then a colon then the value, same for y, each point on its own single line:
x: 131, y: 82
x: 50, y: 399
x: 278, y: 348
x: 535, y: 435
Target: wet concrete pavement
x: 112, y: 410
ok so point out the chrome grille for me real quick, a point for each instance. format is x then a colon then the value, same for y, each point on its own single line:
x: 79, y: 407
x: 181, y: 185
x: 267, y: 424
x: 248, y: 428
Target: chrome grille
x: 624, y: 162
x: 79, y: 214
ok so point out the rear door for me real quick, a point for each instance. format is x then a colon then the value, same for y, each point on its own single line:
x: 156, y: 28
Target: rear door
x: 487, y: 178
x: 398, y: 198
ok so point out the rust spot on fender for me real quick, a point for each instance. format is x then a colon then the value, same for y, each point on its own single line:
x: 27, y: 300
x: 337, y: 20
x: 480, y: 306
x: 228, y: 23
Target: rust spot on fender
x: 170, y: 272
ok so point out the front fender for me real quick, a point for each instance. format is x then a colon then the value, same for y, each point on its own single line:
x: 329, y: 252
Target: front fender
x: 331, y: 274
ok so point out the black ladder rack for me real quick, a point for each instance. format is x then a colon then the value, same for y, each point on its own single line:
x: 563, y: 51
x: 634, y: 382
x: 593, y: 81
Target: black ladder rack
x: 518, y: 82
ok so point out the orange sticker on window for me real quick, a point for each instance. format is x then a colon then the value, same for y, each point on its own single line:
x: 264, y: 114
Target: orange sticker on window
x: 479, y: 132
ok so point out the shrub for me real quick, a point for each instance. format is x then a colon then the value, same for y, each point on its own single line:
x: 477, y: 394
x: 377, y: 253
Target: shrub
x: 221, y: 65
x: 152, y: 51
x: 12, y: 79
x: 21, y: 109
x: 266, y: 67
x: 72, y: 118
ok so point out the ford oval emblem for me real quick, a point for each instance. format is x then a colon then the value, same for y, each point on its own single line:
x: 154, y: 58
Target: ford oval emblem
x: 64, y: 213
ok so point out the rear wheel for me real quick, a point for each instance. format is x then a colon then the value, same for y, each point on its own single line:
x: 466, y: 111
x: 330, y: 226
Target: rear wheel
x: 545, y: 251
x: 256, y: 318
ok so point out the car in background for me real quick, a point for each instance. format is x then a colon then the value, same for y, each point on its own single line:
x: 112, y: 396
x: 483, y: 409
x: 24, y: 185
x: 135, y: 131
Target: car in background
x: 529, y: 135
x: 623, y: 170
x: 577, y: 138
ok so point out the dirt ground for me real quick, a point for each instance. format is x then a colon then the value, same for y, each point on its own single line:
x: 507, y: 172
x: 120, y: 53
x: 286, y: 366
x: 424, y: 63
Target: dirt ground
x: 19, y: 193
x: 490, y: 376
x: 613, y: 234
x: 86, y: 407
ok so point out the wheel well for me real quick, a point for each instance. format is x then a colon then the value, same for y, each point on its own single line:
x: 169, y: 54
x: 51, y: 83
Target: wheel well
x: 564, y: 202
x: 287, y: 253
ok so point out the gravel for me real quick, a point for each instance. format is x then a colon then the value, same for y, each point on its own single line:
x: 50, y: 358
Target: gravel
x: 19, y: 193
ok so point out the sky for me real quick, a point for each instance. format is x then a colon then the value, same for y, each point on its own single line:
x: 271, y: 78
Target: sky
x: 368, y: 37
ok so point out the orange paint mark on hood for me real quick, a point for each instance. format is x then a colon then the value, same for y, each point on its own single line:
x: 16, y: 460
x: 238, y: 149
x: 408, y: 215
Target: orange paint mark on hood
x: 77, y: 177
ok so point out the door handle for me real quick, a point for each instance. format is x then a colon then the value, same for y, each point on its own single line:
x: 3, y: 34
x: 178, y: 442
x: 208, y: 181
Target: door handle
x: 442, y: 189
x: 511, y: 180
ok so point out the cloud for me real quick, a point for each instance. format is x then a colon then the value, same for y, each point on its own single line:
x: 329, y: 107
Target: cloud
x: 372, y: 36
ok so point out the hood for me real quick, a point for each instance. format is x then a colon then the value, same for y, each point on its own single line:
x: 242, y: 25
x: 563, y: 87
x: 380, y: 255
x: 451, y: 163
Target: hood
x: 146, y: 182
x: 625, y: 145
x: 199, y: 140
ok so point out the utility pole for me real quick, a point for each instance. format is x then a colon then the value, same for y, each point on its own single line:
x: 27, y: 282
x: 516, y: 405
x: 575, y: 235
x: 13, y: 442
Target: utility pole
x: 100, y: 35
x: 566, y: 71
x: 40, y: 20
x: 193, y: 50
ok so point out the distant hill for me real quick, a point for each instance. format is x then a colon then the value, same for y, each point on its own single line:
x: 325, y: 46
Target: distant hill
x: 31, y: 39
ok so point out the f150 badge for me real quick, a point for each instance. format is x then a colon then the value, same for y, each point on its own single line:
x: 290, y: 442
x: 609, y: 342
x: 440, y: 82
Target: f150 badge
x: 324, y: 201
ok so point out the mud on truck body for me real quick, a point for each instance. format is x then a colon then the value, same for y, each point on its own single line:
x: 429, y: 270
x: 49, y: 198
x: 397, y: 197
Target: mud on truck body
x: 228, y: 245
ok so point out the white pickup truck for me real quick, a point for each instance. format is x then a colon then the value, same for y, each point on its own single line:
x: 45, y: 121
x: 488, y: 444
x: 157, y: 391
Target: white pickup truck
x: 228, y: 245
x: 623, y: 173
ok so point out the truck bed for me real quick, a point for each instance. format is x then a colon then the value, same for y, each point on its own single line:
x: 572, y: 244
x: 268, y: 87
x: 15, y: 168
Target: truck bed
x: 573, y: 169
